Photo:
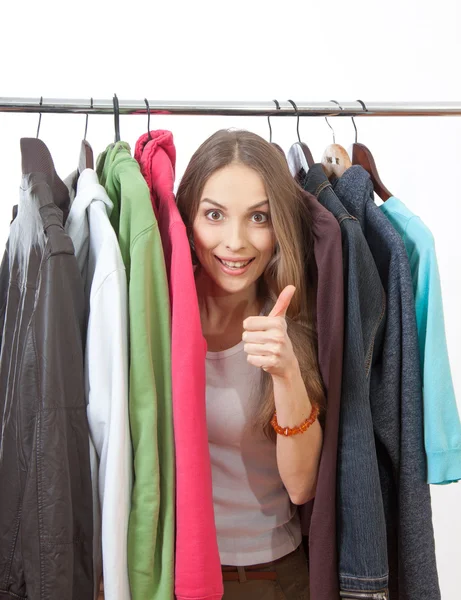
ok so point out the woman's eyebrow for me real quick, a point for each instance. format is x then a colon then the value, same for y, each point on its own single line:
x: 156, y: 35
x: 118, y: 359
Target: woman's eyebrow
x: 213, y: 202
x: 258, y: 205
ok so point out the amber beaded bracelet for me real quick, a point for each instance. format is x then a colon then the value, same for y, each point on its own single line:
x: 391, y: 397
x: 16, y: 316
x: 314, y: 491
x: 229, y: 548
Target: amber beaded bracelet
x: 287, y: 431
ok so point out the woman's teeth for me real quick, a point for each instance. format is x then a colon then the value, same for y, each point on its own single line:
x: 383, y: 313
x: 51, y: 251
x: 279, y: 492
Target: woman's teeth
x: 235, y: 264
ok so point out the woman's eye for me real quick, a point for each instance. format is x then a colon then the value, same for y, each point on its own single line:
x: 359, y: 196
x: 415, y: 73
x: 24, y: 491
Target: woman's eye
x: 261, y: 217
x: 213, y: 215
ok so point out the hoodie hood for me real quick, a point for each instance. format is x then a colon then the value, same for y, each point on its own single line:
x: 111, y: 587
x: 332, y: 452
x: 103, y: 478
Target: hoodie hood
x: 157, y: 159
x: 112, y: 155
x: 110, y: 164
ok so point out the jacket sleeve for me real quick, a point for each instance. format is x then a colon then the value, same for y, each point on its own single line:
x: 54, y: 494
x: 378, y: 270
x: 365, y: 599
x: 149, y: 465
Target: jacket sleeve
x: 57, y: 521
x: 106, y: 366
x: 442, y: 429
x: 330, y: 326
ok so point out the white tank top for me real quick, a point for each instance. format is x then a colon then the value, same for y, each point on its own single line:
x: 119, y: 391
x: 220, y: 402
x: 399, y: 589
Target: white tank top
x: 255, y: 518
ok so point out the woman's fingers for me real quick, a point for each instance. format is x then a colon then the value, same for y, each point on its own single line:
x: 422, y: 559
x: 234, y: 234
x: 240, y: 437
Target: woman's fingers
x: 264, y: 323
x: 263, y: 349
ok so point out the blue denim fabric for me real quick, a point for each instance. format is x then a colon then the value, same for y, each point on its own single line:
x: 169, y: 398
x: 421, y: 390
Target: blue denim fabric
x: 396, y: 404
x: 361, y: 523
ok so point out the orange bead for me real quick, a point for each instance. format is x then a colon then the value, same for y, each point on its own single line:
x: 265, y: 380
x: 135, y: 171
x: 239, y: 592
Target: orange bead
x: 287, y: 431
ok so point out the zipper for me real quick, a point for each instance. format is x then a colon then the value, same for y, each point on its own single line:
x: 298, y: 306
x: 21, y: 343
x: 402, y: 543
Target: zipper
x: 381, y: 595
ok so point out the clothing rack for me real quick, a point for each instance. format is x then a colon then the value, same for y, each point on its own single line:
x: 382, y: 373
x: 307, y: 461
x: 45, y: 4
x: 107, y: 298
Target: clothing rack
x: 271, y: 108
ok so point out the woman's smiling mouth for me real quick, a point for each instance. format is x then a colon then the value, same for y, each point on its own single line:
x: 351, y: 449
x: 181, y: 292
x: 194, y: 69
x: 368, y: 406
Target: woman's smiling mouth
x: 234, y: 267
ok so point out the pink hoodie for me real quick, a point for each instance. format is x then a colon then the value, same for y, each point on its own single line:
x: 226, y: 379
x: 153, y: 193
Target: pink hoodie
x: 197, y: 564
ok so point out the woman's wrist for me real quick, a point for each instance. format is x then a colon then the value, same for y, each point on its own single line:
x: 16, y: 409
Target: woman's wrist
x: 290, y: 377
x: 292, y: 402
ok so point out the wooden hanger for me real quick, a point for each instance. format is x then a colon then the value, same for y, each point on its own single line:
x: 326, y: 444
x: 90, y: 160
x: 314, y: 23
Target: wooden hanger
x: 299, y: 158
x: 86, y: 160
x: 335, y: 159
x: 279, y: 148
x: 362, y: 156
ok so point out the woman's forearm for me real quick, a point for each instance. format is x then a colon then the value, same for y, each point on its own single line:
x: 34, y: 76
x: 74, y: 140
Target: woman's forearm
x: 298, y: 455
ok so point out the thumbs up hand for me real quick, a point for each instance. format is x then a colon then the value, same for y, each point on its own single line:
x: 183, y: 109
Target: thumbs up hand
x: 267, y: 343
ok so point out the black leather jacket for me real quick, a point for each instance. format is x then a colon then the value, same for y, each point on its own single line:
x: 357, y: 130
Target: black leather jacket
x: 46, y: 521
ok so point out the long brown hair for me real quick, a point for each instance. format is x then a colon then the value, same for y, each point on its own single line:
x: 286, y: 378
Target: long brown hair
x: 292, y: 257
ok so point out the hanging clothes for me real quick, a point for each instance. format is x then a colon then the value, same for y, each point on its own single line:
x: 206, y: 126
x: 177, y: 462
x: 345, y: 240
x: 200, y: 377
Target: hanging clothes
x: 397, y: 411
x: 442, y: 429
x: 320, y: 524
x: 46, y: 520
x: 197, y: 562
x: 106, y: 377
x: 358, y: 475
x: 151, y: 526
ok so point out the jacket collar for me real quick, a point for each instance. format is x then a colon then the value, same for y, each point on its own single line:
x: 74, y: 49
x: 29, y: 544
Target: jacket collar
x: 317, y: 183
x: 355, y: 188
x: 88, y: 190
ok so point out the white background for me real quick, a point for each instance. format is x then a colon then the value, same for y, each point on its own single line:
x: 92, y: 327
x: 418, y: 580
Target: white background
x: 256, y: 50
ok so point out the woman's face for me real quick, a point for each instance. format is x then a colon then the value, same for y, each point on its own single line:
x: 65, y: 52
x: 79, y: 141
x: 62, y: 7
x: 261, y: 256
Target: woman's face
x: 233, y: 235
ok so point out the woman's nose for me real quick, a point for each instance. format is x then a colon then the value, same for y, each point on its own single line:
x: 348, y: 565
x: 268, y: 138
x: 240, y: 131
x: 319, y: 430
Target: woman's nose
x: 236, y: 238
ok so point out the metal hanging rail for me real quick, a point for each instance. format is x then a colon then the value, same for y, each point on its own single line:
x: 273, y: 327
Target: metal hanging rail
x: 233, y: 108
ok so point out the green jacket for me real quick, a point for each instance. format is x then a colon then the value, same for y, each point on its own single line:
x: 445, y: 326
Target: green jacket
x: 151, y: 525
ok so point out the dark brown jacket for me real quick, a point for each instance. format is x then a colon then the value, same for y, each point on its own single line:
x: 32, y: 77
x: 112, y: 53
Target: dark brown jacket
x: 318, y: 518
x: 45, y: 485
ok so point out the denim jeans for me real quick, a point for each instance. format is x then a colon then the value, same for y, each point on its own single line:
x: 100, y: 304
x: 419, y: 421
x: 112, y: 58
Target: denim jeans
x: 361, y: 527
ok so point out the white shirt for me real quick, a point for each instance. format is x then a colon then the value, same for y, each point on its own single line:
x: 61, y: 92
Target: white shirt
x: 255, y: 519
x: 106, y: 374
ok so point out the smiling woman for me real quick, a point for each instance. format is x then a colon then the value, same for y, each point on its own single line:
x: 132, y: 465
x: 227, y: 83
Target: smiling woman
x: 251, y: 241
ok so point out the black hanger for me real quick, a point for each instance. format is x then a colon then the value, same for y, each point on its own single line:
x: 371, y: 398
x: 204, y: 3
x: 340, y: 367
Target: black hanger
x: 86, y: 160
x: 300, y: 158
x: 148, y: 119
x: 279, y: 148
x: 116, y: 118
x: 362, y: 156
x: 335, y: 159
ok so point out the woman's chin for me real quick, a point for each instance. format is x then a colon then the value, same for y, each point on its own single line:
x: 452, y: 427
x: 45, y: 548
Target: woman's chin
x: 231, y: 284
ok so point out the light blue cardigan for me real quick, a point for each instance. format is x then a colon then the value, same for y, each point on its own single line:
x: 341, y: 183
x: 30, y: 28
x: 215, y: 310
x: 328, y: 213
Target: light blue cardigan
x: 442, y: 428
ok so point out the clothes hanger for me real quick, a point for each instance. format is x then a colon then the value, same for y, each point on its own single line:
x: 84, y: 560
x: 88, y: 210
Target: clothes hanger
x: 36, y: 158
x: 86, y: 160
x: 148, y: 119
x: 279, y: 148
x: 335, y: 159
x: 300, y: 158
x: 39, y: 118
x: 362, y: 156
x: 116, y: 118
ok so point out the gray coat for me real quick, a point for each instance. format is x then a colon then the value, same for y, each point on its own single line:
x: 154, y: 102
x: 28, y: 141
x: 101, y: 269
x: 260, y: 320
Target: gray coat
x: 396, y: 404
